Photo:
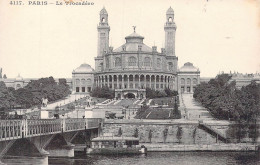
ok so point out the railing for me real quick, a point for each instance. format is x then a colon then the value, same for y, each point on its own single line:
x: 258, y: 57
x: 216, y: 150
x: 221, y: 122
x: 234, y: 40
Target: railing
x: 214, y: 132
x: 16, y: 129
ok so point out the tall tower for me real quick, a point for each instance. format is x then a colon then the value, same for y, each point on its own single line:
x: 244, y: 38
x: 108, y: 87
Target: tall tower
x: 170, y: 29
x: 103, y: 33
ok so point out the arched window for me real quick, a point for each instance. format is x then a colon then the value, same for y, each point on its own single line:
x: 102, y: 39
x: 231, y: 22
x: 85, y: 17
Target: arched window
x: 170, y: 65
x: 194, y: 81
x: 147, y: 61
x: 132, y: 61
x: 103, y: 20
x: 182, y: 81
x: 170, y: 19
x: 77, y: 81
x: 88, y: 81
x: 118, y: 62
x: 18, y: 86
x: 188, y: 81
x: 158, y: 63
x: 83, y: 81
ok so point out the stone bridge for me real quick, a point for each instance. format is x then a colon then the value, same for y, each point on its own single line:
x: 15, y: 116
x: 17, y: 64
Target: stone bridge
x: 52, y: 137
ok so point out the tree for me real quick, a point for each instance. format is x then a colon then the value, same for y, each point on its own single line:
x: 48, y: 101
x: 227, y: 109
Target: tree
x: 165, y: 134
x: 103, y: 92
x: 5, y: 77
x: 6, y: 97
x: 176, y: 111
x: 151, y: 93
x: 170, y: 93
x: 23, y: 97
x: 136, y: 133
x: 150, y: 135
x: 194, y: 135
x: 224, y: 101
x: 179, y: 134
x: 120, y: 132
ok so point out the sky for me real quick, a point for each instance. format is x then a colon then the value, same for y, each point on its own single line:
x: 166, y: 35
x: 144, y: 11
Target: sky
x: 49, y: 40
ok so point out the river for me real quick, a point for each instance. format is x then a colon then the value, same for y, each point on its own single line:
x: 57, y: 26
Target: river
x: 152, y: 158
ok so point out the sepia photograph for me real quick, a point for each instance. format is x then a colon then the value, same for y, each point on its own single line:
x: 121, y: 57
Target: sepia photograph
x: 123, y: 82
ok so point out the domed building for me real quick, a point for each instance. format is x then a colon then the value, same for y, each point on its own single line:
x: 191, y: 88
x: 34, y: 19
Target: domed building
x: 188, y: 78
x: 134, y: 66
x: 82, y: 79
x: 19, y: 82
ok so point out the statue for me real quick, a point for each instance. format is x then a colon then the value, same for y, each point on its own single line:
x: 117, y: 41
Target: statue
x: 44, y: 102
x: 134, y: 28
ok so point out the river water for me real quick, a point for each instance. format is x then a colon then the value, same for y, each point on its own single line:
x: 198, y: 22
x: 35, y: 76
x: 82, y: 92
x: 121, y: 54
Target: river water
x: 152, y: 158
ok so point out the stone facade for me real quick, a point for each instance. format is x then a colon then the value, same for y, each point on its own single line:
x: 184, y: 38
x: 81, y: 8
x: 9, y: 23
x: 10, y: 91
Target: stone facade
x: 82, y: 79
x: 188, y: 78
x: 201, y: 137
x: 135, y: 66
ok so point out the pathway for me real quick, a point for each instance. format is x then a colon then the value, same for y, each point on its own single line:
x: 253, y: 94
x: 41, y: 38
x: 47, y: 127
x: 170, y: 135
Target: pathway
x: 71, y: 98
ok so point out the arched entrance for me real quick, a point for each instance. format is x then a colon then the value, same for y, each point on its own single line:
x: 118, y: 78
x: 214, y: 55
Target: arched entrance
x: 118, y: 96
x: 129, y: 95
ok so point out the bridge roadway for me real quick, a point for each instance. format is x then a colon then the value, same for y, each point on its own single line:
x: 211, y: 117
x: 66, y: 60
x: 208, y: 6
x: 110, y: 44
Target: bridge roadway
x: 53, y: 137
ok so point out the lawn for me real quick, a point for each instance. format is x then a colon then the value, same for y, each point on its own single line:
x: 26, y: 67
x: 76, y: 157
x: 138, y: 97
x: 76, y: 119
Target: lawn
x: 156, y: 113
x: 163, y: 101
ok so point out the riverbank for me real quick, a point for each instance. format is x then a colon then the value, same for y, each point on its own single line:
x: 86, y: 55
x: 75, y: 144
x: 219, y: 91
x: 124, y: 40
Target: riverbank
x: 199, y: 147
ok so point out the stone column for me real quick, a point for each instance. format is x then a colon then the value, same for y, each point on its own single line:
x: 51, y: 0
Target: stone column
x: 123, y: 82
x: 191, y: 85
x: 150, y: 81
x: 139, y: 84
x: 128, y: 81
x: 155, y: 82
x: 117, y: 81
x: 160, y: 81
x: 185, y: 85
x: 134, y: 82
x: 145, y: 81
x: 167, y: 82
x: 113, y: 82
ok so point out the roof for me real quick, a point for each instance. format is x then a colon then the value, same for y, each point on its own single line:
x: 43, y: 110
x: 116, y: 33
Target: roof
x: 170, y: 11
x: 133, y: 41
x: 103, y: 11
x: 83, y: 68
x: 18, y: 78
x: 188, y: 67
x: 129, y: 47
x: 134, y: 35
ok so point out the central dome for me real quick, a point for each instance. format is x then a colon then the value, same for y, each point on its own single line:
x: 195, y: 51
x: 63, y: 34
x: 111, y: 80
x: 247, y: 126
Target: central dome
x: 18, y: 78
x: 188, y: 67
x: 134, y: 37
x: 83, y: 68
x: 134, y: 42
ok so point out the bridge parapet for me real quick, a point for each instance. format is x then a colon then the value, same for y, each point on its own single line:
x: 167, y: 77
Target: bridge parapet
x: 42, y: 127
x: 16, y: 129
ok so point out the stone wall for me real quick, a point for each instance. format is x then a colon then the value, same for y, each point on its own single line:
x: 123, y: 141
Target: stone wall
x: 128, y: 129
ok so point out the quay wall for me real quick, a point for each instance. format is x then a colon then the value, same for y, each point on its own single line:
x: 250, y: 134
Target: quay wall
x: 187, y: 135
x: 200, y: 147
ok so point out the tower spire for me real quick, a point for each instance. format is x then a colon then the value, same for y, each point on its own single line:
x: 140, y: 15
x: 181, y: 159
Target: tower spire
x: 170, y: 29
x: 103, y: 33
